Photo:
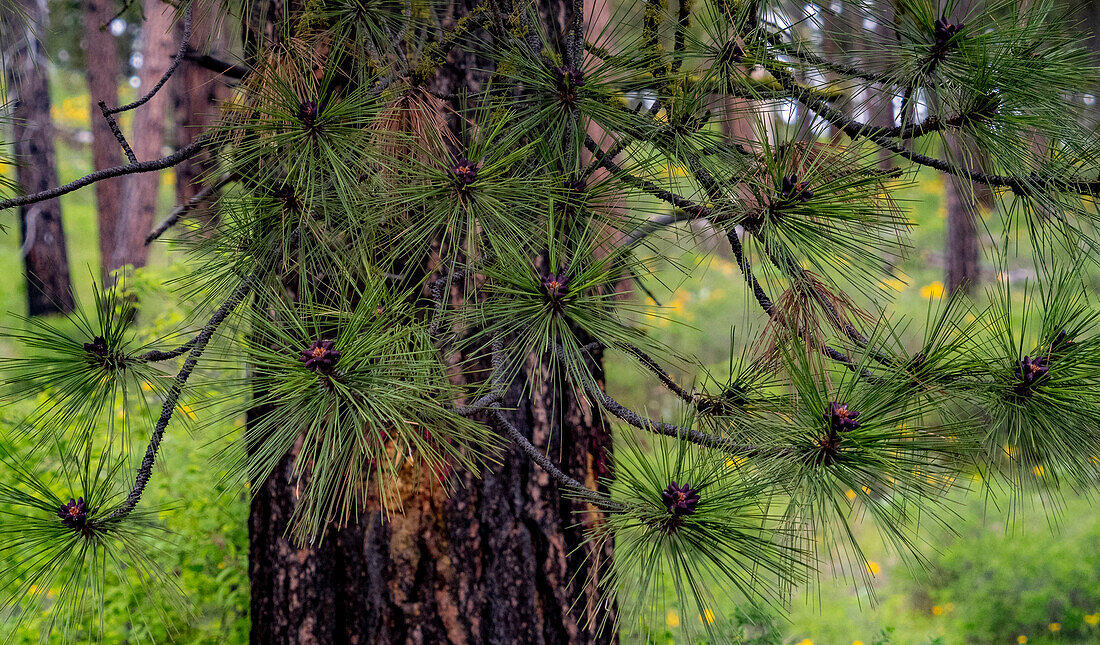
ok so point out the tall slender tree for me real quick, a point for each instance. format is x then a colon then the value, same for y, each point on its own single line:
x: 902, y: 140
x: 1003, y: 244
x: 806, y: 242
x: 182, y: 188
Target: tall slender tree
x: 45, y: 259
x: 103, y: 71
x: 139, y: 200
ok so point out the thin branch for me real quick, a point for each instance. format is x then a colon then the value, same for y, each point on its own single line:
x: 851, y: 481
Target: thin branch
x: 644, y: 184
x: 672, y: 430
x: 441, y: 289
x: 653, y: 225
x: 176, y: 157
x: 153, y: 356
x: 115, y: 130
x: 662, y: 375
x: 172, y: 399
x: 481, y: 405
x: 1021, y: 185
x: 217, y: 65
x: 840, y: 68
x: 179, y: 211
x: 544, y: 462
x: 171, y: 68
x: 526, y: 446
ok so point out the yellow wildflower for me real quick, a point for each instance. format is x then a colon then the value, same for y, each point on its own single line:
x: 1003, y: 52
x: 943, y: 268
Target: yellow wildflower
x: 146, y: 386
x: 186, y: 409
x: 805, y: 641
x: 672, y: 619
x: 933, y: 290
x: 1038, y: 470
x: 851, y: 494
x: 874, y: 567
x: 708, y: 615
x: 937, y: 610
x: 1092, y: 619
x: 1021, y: 639
x: 1055, y: 627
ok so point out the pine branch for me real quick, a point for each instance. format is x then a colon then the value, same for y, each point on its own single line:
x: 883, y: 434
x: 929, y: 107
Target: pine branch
x: 173, y: 159
x: 167, y: 74
x: 1020, y: 185
x: 179, y: 211
x: 171, y: 401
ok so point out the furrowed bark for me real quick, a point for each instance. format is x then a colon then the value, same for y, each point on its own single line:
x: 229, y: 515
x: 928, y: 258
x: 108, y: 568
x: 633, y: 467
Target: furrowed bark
x: 501, y: 560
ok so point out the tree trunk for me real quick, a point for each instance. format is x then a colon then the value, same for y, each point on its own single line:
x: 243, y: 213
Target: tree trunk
x: 495, y: 562
x: 139, y: 201
x: 102, y: 73
x: 963, y: 253
x: 501, y: 560
x: 45, y: 261
x: 963, y: 270
x: 196, y: 93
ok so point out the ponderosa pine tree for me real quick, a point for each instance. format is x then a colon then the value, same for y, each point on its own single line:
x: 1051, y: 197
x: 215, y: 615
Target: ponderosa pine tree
x: 424, y: 253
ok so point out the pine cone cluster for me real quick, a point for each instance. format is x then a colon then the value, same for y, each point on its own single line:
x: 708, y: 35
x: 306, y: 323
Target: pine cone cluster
x: 793, y: 189
x: 680, y: 500
x: 75, y: 515
x: 320, y: 357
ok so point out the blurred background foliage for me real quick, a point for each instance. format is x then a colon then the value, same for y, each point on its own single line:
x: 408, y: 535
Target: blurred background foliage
x: 1006, y: 574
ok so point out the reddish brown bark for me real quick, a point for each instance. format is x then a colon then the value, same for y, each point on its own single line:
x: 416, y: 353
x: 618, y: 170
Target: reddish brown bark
x: 102, y: 73
x: 139, y: 200
x: 501, y: 560
x: 196, y: 93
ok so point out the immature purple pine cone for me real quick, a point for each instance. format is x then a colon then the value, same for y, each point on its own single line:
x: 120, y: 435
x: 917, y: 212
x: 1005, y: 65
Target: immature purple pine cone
x: 840, y: 418
x: 320, y: 357
x: 464, y: 172
x: 1031, y: 370
x: 680, y: 500
x: 74, y: 514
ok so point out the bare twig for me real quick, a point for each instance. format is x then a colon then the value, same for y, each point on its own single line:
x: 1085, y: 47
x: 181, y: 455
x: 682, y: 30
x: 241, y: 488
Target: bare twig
x: 115, y: 130
x: 176, y: 157
x: 171, y: 68
x: 179, y: 211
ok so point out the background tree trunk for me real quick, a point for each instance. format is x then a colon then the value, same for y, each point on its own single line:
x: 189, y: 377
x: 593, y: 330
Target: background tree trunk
x: 139, y: 200
x: 102, y: 73
x: 45, y: 261
x: 963, y: 257
x: 963, y: 253
x: 196, y: 93
x: 501, y: 560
